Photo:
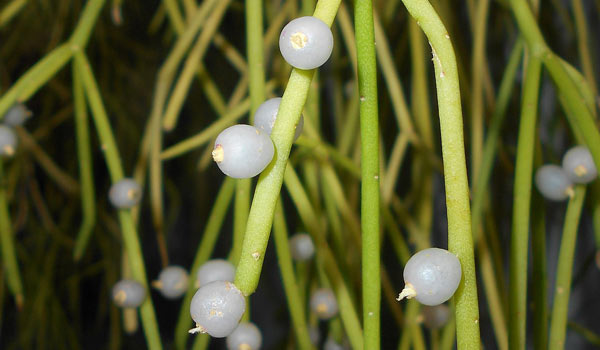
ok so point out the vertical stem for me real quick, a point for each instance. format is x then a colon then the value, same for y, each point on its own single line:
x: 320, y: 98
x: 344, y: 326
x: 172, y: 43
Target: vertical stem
x: 564, y: 271
x: 290, y: 285
x: 460, y: 239
x: 113, y: 160
x: 521, y: 207
x: 369, y: 137
x: 9, y: 258
x: 88, y: 202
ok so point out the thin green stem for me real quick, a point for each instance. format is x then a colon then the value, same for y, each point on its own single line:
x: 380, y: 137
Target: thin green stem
x: 295, y: 305
x: 564, y: 271
x: 583, y: 45
x: 9, y: 258
x: 369, y: 137
x: 539, y: 289
x: 522, y: 205
x: 205, y: 247
x: 88, y: 201
x: 460, y: 239
x: 491, y: 142
x: 129, y: 234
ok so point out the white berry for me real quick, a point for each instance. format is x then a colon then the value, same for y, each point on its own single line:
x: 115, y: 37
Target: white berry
x: 128, y: 293
x: 553, y: 183
x: 243, y: 151
x: 217, y: 308
x: 8, y: 141
x: 125, y: 193
x: 215, y: 270
x: 431, y: 276
x: 306, y: 42
x: 579, y: 165
x: 245, y: 337
x: 17, y: 115
x: 172, y: 282
x: 302, y: 247
x: 266, y: 114
x: 323, y: 303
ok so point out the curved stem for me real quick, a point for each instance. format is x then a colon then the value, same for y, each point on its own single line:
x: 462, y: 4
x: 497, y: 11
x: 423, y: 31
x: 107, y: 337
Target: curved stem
x: 269, y: 184
x: 460, y: 239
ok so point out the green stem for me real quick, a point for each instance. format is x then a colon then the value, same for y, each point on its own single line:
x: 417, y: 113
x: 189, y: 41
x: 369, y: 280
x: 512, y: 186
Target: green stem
x: 111, y: 154
x: 88, y: 201
x: 209, y: 238
x: 460, y: 239
x: 582, y: 116
x: 480, y: 187
x: 369, y: 137
x: 271, y: 179
x: 290, y: 285
x: 564, y: 271
x: 521, y: 207
x: 9, y: 258
x: 539, y: 289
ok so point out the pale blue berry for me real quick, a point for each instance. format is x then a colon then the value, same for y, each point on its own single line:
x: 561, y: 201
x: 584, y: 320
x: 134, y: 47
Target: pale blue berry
x: 217, y: 308
x: 215, y: 270
x: 306, y: 42
x: 266, y: 114
x: 125, y: 193
x: 431, y: 276
x: 553, y: 183
x: 579, y: 165
x: 172, y: 282
x: 243, y: 151
x: 245, y: 337
x: 128, y: 293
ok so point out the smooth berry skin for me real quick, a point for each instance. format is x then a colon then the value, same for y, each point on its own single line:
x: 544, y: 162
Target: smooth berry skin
x: 215, y: 270
x: 266, y: 114
x: 324, y: 304
x: 17, y: 115
x: 579, y: 165
x: 306, y: 42
x: 434, y: 274
x: 8, y: 141
x: 243, y: 151
x: 125, y: 193
x: 217, y: 308
x: 553, y: 183
x: 128, y: 293
x: 302, y: 247
x: 173, y: 281
x: 435, y: 317
x: 245, y: 337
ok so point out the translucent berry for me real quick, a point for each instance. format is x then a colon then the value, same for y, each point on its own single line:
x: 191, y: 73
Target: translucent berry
x: 215, y: 270
x: 579, y: 165
x: 17, y: 115
x: 435, y: 317
x: 128, y: 293
x: 8, y: 141
x: 217, y: 308
x: 125, y: 193
x: 245, y: 337
x: 331, y: 344
x: 553, y: 183
x: 242, y: 151
x: 302, y: 247
x: 431, y: 276
x: 323, y: 303
x: 306, y: 42
x: 265, y: 115
x: 172, y: 282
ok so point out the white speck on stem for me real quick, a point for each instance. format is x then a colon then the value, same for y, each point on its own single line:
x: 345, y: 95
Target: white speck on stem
x: 256, y: 256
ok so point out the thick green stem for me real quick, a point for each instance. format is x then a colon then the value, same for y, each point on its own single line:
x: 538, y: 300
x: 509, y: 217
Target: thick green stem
x: 369, y: 137
x: 460, y: 240
x: 269, y: 184
x: 521, y: 207
x: 564, y: 271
